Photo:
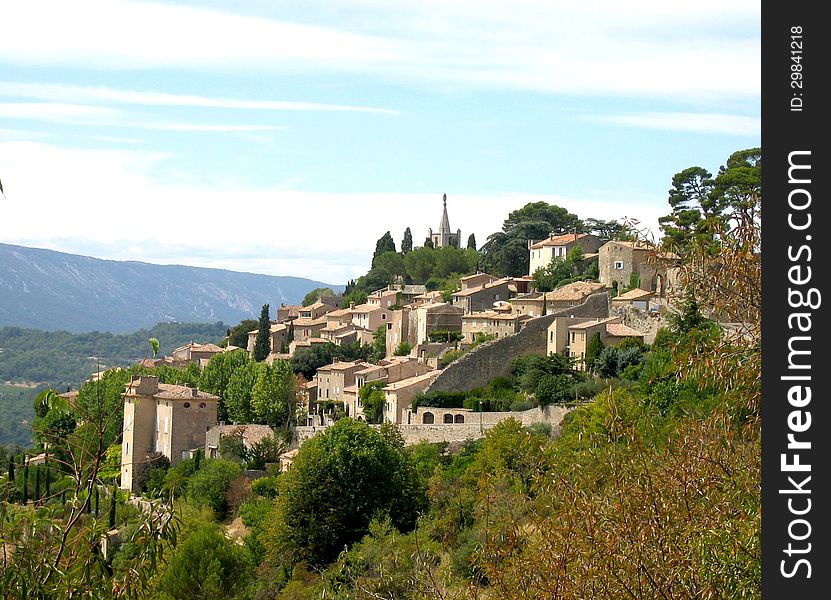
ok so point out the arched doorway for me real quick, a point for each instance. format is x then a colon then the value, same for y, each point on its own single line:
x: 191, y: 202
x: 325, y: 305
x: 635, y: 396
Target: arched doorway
x: 427, y: 418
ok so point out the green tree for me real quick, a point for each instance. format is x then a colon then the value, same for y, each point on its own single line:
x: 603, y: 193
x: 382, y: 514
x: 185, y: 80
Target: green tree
x: 407, y: 242
x: 428, y: 243
x: 206, y: 566
x: 391, y: 263
x: 403, y: 349
x: 237, y: 398
x: 420, y: 263
x: 607, y: 230
x: 593, y: 350
x: 379, y: 343
x: 238, y: 336
x: 471, y: 242
x: 217, y: 375
x: 384, y: 244
x: 339, y: 481
x: 273, y: 395
x: 372, y: 399
x: 262, y: 343
x: 316, y: 294
x: 209, y: 486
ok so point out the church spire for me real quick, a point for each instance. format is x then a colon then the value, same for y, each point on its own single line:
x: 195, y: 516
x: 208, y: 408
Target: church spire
x: 444, y: 226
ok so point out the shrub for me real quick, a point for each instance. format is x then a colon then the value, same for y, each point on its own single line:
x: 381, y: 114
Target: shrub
x: 209, y: 486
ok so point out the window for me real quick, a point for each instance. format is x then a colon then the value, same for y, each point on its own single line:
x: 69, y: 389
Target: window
x: 618, y: 264
x: 203, y: 405
x: 186, y: 405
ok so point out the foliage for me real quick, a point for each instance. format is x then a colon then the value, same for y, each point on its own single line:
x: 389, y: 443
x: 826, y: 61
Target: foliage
x: 238, y: 335
x: 372, y: 399
x: 206, y: 566
x: 339, y: 481
x: 144, y: 468
x: 209, y: 486
x: 506, y: 251
x: 273, y: 396
x: 262, y: 342
x: 267, y: 487
x: 315, y: 295
x: 237, y: 399
x: 441, y: 335
x: 384, y: 244
x: 471, y: 242
x: 308, y: 360
x: 60, y: 359
x: 593, y: 350
x: 217, y: 374
x: 407, y: 241
x: 379, y: 343
x: 403, y: 349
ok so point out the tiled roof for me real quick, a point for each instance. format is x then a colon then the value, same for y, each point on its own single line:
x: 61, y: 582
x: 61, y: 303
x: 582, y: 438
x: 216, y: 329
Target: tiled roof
x: 181, y: 392
x: 303, y: 322
x: 590, y: 324
x: 487, y: 286
x: 366, y: 308
x: 344, y: 366
x: 574, y: 291
x: 411, y: 381
x: 558, y: 240
x: 635, y: 295
x: 621, y: 330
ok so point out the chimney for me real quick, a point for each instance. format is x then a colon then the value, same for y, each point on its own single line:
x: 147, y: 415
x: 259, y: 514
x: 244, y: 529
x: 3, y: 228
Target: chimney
x: 147, y: 385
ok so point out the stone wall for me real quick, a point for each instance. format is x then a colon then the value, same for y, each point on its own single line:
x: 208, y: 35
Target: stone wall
x: 645, y: 322
x: 493, y: 359
x: 458, y: 432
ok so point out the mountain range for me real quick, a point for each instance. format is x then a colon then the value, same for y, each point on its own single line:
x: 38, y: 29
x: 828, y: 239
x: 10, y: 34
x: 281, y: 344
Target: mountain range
x: 44, y: 289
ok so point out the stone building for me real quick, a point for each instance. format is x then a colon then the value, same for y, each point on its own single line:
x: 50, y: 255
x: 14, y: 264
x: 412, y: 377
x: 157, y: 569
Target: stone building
x: 160, y: 417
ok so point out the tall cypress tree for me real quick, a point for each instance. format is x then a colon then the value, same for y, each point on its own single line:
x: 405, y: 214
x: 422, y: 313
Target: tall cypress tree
x: 96, y: 500
x: 261, y: 342
x: 384, y: 244
x: 36, y: 497
x: 471, y: 242
x: 25, y: 484
x: 113, y: 505
x: 11, y: 469
x: 407, y: 242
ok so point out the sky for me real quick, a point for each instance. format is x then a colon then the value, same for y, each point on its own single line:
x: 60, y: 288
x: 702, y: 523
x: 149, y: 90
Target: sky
x: 285, y: 137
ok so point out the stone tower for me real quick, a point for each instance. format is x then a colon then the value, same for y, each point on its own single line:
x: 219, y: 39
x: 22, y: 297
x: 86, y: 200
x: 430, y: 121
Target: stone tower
x: 444, y: 236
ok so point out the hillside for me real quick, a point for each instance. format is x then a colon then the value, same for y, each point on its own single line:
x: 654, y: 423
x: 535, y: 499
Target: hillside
x: 48, y: 290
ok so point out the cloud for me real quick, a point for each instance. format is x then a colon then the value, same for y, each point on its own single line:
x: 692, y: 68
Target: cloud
x: 101, y: 116
x: 686, y: 122
x: 97, y: 94
x: 107, y: 204
x: 680, y: 50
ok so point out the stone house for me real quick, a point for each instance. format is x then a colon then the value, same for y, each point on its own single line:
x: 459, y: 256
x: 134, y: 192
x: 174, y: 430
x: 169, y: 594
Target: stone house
x: 383, y: 298
x: 194, y: 353
x: 370, y: 316
x: 572, y: 294
x: 482, y: 297
x: 278, y: 334
x: 623, y: 263
x: 499, y: 323
x: 436, y: 316
x: 572, y: 335
x: 558, y: 246
x: 475, y: 281
x: 250, y: 435
x: 288, y: 312
x: 332, y: 379
x: 399, y: 395
x: 637, y: 297
x: 160, y: 417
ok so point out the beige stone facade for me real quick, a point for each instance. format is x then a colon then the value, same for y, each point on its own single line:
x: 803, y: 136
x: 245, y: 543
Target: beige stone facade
x: 399, y: 395
x: 436, y: 316
x: 483, y: 297
x: 572, y: 335
x: 558, y: 246
x: 492, y: 322
x: 159, y: 417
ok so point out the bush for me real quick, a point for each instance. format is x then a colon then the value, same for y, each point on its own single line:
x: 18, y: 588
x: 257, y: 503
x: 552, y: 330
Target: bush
x: 521, y: 405
x: 265, y: 487
x: 209, y: 486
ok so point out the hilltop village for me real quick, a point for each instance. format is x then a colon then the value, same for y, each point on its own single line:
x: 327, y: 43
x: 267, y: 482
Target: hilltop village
x: 429, y: 343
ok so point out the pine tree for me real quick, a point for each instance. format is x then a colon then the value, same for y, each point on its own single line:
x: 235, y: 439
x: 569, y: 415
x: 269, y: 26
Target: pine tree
x: 25, y: 484
x: 384, y: 244
x: 407, y: 242
x: 261, y: 342
x: 113, y: 505
x: 36, y: 497
x: 471, y: 242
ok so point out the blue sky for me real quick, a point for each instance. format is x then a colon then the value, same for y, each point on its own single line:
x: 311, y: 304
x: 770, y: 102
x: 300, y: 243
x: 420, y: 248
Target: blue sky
x: 284, y: 138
